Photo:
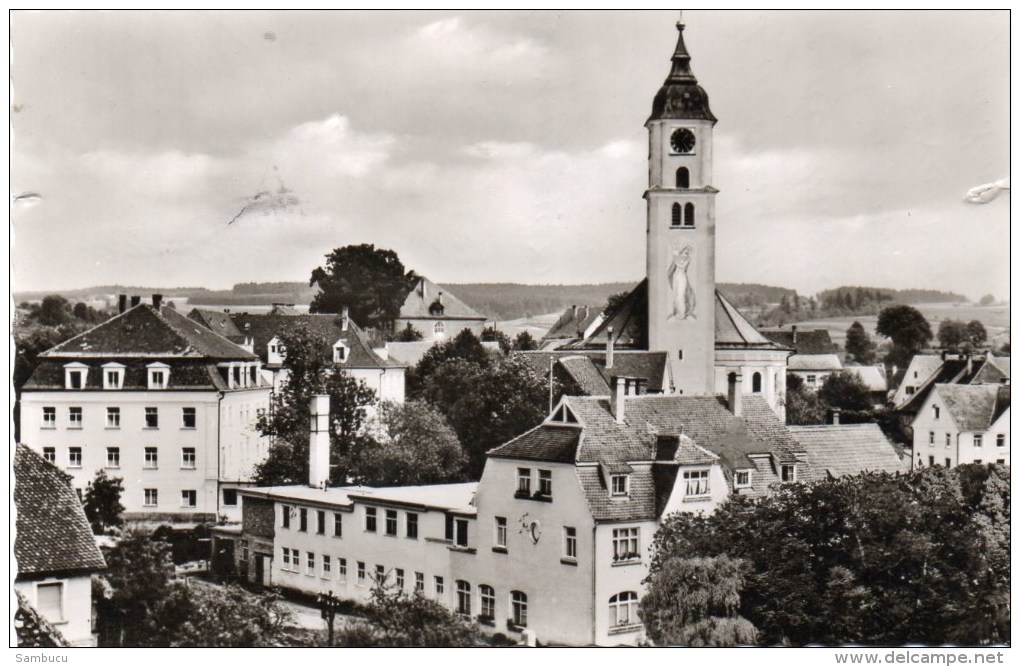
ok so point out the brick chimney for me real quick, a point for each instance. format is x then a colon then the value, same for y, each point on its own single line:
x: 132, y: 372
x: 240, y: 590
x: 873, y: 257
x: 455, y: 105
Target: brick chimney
x: 122, y: 302
x: 618, y: 398
x: 610, y: 344
x: 157, y: 301
x: 345, y: 318
x: 423, y: 295
x: 970, y: 363
x: 793, y: 327
x: 735, y: 394
x: 135, y: 300
x: 318, y: 445
x: 835, y: 416
x: 439, y: 299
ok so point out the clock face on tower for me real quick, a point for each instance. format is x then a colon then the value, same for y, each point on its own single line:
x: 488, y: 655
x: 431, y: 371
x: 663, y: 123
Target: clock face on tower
x: 682, y: 140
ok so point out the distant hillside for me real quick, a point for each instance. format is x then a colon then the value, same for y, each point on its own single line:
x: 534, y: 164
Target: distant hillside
x: 510, y: 301
x: 879, y: 294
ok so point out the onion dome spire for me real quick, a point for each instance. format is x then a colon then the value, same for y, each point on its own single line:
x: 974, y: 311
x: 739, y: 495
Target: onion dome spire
x: 680, y: 96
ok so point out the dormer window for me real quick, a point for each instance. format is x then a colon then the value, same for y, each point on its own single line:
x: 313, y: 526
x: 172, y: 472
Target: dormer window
x: 696, y: 482
x: 75, y: 375
x: 340, y: 352
x: 113, y: 376
x: 620, y: 485
x: 276, y: 351
x: 564, y: 416
x: 788, y: 472
x: 159, y: 376
x: 742, y: 479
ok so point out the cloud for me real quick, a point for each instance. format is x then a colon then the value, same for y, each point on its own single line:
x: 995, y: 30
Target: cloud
x: 453, y: 42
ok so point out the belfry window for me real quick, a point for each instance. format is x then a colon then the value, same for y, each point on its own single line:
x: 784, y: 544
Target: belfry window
x: 688, y: 215
x: 678, y: 214
x: 683, y: 178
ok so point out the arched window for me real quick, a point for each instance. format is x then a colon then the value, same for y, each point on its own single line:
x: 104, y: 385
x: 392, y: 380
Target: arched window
x: 623, y: 609
x: 756, y: 383
x: 689, y: 215
x: 463, y: 598
x: 439, y: 330
x: 519, y: 608
x: 677, y: 215
x: 683, y: 178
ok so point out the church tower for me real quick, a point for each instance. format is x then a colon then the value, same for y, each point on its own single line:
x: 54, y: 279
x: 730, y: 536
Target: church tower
x: 681, y: 227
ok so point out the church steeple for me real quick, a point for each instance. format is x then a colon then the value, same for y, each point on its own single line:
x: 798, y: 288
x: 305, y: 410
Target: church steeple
x: 680, y: 96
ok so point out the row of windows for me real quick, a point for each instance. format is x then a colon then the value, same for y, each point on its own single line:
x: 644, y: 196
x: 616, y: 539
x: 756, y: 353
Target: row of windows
x: 682, y: 215
x: 74, y: 417
x: 1000, y: 439
x: 544, y: 491
x: 76, y: 376
x: 949, y: 461
x: 150, y: 457
x: 189, y: 498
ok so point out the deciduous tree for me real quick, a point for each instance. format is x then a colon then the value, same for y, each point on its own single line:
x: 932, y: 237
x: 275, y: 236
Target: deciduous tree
x: 412, y: 444
x: 395, y: 618
x: 952, y: 334
x: 908, y: 330
x: 102, y: 502
x: 846, y: 391
x: 371, y: 281
x: 977, y: 335
x: 859, y: 344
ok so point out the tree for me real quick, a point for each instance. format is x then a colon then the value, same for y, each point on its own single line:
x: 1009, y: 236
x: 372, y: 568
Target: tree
x: 859, y: 344
x: 228, y: 617
x: 464, y: 346
x: 408, y: 334
x: 952, y: 334
x: 494, y: 335
x: 802, y: 404
x: 310, y: 371
x: 412, y: 444
x: 907, y: 329
x: 525, y: 342
x: 977, y: 335
x: 395, y: 619
x: 846, y: 391
x: 694, y: 602
x: 371, y: 282
x: 987, y: 300
x: 102, y: 502
x: 54, y: 311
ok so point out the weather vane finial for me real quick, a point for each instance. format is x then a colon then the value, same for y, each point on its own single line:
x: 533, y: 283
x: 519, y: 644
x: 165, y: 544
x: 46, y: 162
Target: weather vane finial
x: 680, y: 20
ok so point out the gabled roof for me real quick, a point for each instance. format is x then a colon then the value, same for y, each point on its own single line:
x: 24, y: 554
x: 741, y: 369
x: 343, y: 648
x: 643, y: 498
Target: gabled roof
x: 185, y: 374
x: 847, y: 449
x: 217, y: 321
x: 53, y: 535
x: 992, y: 370
x: 815, y: 341
x: 950, y: 371
x: 629, y: 321
x: 873, y: 377
x: 33, y: 630
x: 573, y: 323
x: 146, y: 331
x: 814, y: 362
x: 974, y: 407
x: 586, y: 369
x: 557, y: 444
x: 733, y: 331
x: 422, y: 300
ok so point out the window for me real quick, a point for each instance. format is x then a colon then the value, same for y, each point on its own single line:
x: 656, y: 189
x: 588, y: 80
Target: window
x: 398, y: 575
x: 519, y: 609
x: 303, y: 520
x: 910, y: 391
x: 151, y: 418
x: 448, y: 534
x: 320, y: 522
x: 626, y: 544
x: 463, y: 598
x: 545, y: 483
x: 188, y: 458
x: 439, y: 330
x: 113, y: 376
x: 978, y: 440
x: 623, y: 609
x: 788, y: 473
x: 188, y: 417
x: 391, y: 522
x: 74, y: 417
x: 677, y: 216
x: 112, y: 417
x: 1000, y: 440
x: 697, y: 482
x: 935, y: 412
x: 412, y: 525
x: 440, y: 589
x: 157, y: 379
x: 74, y: 457
x: 688, y: 215
x: 1000, y: 461
x: 742, y: 479
x: 74, y: 379
x: 501, y: 531
x: 380, y: 574
x: 113, y: 457
x: 619, y: 484
x: 49, y: 417
x: 949, y: 440
x: 370, y: 519
x: 327, y: 566
x: 812, y: 379
x: 756, y: 383
x: 50, y: 454
x: 949, y: 463
x: 419, y: 583
x: 931, y: 460
x: 50, y: 600
x: 461, y: 538
x: 487, y: 601
x: 189, y: 498
x: 341, y: 566
x: 151, y: 497
x: 339, y: 353
x: 361, y: 573
x: 309, y: 563
x: 978, y: 461
x: 286, y: 559
x: 230, y: 497
x: 285, y: 516
x: 683, y: 178
x: 931, y: 438
x: 569, y: 542
x: 524, y: 481
x: 338, y: 524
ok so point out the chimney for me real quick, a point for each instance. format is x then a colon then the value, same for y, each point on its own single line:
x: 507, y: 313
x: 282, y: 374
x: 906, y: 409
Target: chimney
x: 793, y: 327
x: 439, y: 299
x: 584, y: 313
x: 618, y: 398
x: 423, y: 289
x: 135, y: 300
x: 734, y: 394
x: 318, y: 445
x: 345, y: 318
x: 122, y: 302
x: 573, y: 313
x: 970, y: 364
x: 835, y: 416
x: 610, y: 343
x: 157, y: 301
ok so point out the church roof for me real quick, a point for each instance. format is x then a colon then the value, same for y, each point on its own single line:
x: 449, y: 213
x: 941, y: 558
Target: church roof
x: 680, y: 96
x: 430, y: 301
x: 732, y: 330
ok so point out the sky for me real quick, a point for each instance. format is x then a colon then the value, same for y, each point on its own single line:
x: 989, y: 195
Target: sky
x: 212, y: 148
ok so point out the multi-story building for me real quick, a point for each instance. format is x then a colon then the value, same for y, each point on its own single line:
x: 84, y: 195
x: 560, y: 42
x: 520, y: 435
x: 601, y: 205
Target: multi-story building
x: 960, y: 423
x: 438, y: 316
x: 153, y: 398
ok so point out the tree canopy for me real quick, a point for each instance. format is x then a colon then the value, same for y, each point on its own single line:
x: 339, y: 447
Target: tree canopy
x: 371, y: 281
x: 412, y: 444
x: 397, y: 619
x: 846, y: 391
x: 102, y: 502
x: 859, y: 344
x: 908, y: 330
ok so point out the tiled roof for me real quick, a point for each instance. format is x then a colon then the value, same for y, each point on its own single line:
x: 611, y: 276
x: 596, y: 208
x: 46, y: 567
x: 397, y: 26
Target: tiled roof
x: 217, y: 321
x: 949, y: 371
x: 732, y: 330
x: 814, y: 362
x: 185, y: 374
x: 53, y: 535
x: 585, y: 375
x: 816, y: 341
x: 542, y: 443
x: 847, y: 449
x: 33, y: 630
x: 573, y: 322
x: 425, y: 295
x: 146, y: 331
x: 409, y: 353
x: 629, y: 322
x: 993, y: 370
x: 650, y: 366
x: 873, y: 377
x: 974, y: 407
